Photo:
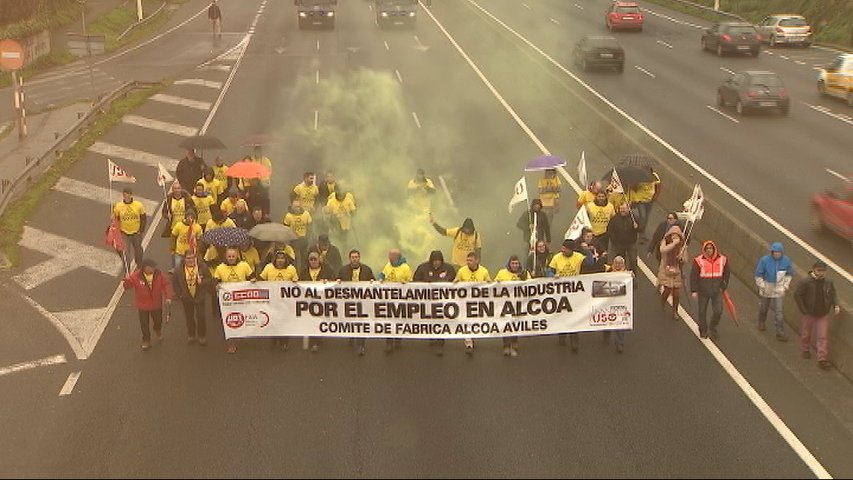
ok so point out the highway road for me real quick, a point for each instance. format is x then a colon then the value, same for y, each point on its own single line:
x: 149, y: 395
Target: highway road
x: 374, y: 106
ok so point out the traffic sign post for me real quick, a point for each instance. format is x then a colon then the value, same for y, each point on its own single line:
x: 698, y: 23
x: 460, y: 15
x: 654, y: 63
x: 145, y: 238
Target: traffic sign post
x: 12, y: 59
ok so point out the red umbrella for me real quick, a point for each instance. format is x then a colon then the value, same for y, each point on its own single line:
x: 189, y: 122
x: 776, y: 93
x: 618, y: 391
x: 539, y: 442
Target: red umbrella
x: 247, y: 169
x: 730, y: 307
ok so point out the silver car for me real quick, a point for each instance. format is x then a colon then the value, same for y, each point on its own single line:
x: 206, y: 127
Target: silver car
x: 785, y: 29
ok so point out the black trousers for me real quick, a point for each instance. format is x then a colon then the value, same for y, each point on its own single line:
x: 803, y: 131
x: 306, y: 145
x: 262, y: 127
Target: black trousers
x: 194, y: 312
x: 145, y: 317
x: 135, y: 240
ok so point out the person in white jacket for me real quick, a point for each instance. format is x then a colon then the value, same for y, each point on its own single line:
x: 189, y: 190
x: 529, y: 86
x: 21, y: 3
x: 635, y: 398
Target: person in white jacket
x: 773, y: 275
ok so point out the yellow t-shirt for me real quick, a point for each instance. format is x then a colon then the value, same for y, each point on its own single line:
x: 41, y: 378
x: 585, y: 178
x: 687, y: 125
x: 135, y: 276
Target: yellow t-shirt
x: 227, y: 206
x: 645, y: 192
x: 279, y: 274
x: 298, y: 223
x: 251, y: 257
x: 342, y: 210
x: 420, y: 195
x: 202, y: 208
x: 463, y: 244
x: 212, y: 225
x: 129, y: 216
x: 191, y: 274
x: 219, y: 174
x: 181, y: 232
x: 306, y: 194
x: 585, y: 197
x: 564, y: 266
x: 355, y: 273
x: 464, y: 274
x: 178, y: 208
x: 599, y: 217
x: 267, y: 163
x: 504, y: 275
x: 617, y: 199
x: 213, y: 187
x: 549, y: 190
x: 401, y: 273
x: 238, y: 273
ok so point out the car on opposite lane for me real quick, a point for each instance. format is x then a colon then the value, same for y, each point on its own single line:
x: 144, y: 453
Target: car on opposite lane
x: 832, y: 209
x: 787, y: 29
x: 836, y: 79
x: 624, y: 16
x: 599, y: 51
x: 754, y: 90
x: 393, y: 13
x: 732, y: 37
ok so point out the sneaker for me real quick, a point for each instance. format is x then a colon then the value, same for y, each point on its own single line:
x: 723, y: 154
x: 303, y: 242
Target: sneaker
x: 389, y: 346
x: 714, y: 335
x: 703, y: 334
x: 513, y: 352
x: 361, y: 351
x: 781, y: 337
x: 202, y: 341
x: 561, y: 340
x: 469, y: 349
x: 159, y: 336
x: 315, y: 348
x: 574, y: 349
x: 823, y: 364
x: 761, y: 327
x: 231, y: 349
x: 439, y: 352
x: 146, y: 346
x: 807, y: 355
x: 398, y: 343
x: 506, y: 351
x: 190, y: 339
x: 619, y: 348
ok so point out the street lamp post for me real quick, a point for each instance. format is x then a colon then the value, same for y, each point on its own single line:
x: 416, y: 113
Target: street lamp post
x: 139, y: 10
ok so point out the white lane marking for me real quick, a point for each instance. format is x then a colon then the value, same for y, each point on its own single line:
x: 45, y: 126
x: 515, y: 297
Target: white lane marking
x: 386, y: 45
x: 68, y: 387
x: 115, y: 151
x: 318, y: 45
x: 243, y: 46
x: 181, y: 101
x: 525, y: 5
x: 645, y: 71
x: 316, y: 119
x: 199, y: 82
x: 49, y: 77
x: 826, y: 111
x: 799, y: 62
x: 417, y: 120
x: 446, y: 191
x: 783, y: 430
x: 65, y: 255
x: 783, y: 57
x: 158, y: 125
x: 19, y: 367
x: 317, y: 77
x: 97, y: 193
x: 579, y: 6
x: 42, y: 80
x: 661, y: 42
x: 838, y: 175
x: 674, y: 20
x: 555, y: 22
x: 73, y: 341
x: 730, y: 72
x: 221, y: 68
x: 723, y: 114
x: 399, y: 77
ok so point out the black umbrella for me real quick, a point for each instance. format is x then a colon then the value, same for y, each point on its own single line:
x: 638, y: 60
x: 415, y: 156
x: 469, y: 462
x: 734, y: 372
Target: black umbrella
x: 226, y: 237
x: 202, y: 142
x: 637, y: 160
x: 630, y: 175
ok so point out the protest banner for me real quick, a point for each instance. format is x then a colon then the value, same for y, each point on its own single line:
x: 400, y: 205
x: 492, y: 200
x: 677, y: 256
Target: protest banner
x: 543, y: 306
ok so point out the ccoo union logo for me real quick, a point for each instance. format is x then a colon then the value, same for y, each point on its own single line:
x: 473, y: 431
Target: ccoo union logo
x: 250, y: 294
x: 235, y: 320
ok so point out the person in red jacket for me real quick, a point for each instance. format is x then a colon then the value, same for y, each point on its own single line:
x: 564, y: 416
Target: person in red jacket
x: 152, y: 290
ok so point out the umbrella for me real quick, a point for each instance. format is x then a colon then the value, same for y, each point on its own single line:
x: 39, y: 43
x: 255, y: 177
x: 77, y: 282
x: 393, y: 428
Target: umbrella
x: 247, y: 169
x: 226, y: 237
x: 202, y: 142
x: 630, y: 175
x: 730, y: 307
x: 259, y: 139
x: 545, y: 162
x: 272, y: 232
x: 637, y: 160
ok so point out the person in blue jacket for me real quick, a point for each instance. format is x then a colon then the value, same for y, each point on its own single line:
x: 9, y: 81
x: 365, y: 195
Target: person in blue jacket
x: 773, y: 275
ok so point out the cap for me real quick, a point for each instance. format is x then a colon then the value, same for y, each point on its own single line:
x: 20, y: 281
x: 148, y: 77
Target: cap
x: 819, y: 264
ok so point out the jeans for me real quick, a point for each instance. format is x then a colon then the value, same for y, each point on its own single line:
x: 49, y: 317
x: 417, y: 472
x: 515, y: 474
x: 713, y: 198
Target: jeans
x: 820, y: 325
x: 717, y: 308
x: 196, y: 321
x: 628, y: 252
x: 134, y: 240
x: 145, y: 317
x: 764, y: 305
x: 641, y: 215
x: 620, y: 336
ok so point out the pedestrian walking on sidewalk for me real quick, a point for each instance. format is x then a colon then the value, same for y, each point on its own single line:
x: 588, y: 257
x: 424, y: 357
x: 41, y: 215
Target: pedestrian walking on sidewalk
x: 214, y: 14
x: 193, y: 283
x: 131, y: 218
x: 152, y: 290
x: 773, y: 275
x: 816, y: 299
x: 708, y: 280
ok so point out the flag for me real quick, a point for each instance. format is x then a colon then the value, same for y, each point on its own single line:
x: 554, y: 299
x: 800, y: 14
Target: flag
x: 534, y: 231
x: 694, y: 206
x: 113, y: 238
x: 582, y: 177
x: 118, y: 174
x: 520, y: 194
x: 163, y: 176
x: 580, y: 222
x: 615, y: 185
x: 730, y: 307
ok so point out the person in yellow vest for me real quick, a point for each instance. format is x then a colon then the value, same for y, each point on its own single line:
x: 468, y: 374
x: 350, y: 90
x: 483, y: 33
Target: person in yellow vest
x: 176, y: 203
x: 512, y: 273
x: 397, y: 270
x: 219, y: 168
x: 250, y: 255
x: 230, y: 271
x: 588, y: 195
x: 306, y: 191
x: 466, y: 240
x: 340, y: 208
x: 213, y: 186
x: 258, y: 157
x: 131, y: 218
x: 550, y: 187
x: 600, y: 211
x: 186, y: 235
x: 421, y: 190
x: 230, y: 203
x: 642, y: 196
x: 299, y: 220
x: 472, y: 271
x: 203, y: 202
x: 568, y: 263
x: 193, y: 282
x: 281, y: 269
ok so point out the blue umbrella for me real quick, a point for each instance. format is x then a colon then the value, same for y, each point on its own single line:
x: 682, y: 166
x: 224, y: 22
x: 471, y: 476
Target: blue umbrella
x: 226, y: 237
x: 545, y: 162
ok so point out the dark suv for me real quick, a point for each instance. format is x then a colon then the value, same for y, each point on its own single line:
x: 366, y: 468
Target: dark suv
x: 597, y: 51
x: 732, y: 37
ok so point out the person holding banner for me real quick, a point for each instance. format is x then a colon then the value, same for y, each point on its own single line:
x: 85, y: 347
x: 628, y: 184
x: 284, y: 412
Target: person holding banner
x: 397, y: 270
x: 472, y: 272
x: 152, y: 290
x: 466, y: 240
x: 550, y: 187
x: 670, y: 277
x: 315, y: 271
x: 534, y: 221
x: 435, y: 270
x: 512, y: 272
x: 618, y: 265
x: 355, y: 271
x: 229, y: 271
x: 281, y: 269
x: 538, y: 261
x: 600, y: 211
x: 193, y: 283
x: 131, y: 219
x: 709, y: 278
x: 568, y: 263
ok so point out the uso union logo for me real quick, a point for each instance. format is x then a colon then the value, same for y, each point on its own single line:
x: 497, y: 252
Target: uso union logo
x: 235, y: 320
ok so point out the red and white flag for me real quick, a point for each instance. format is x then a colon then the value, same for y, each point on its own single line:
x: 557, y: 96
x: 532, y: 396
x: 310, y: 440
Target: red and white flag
x: 694, y: 206
x: 118, y: 174
x: 580, y: 222
x: 163, y: 175
x: 615, y: 185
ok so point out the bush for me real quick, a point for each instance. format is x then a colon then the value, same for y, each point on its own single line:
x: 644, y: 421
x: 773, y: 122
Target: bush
x: 22, y: 18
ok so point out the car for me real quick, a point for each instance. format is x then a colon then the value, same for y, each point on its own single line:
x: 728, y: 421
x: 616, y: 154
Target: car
x: 315, y: 13
x: 391, y: 13
x: 785, y: 29
x: 732, y: 37
x: 599, y: 51
x: 624, y: 16
x: 754, y: 90
x: 836, y: 79
x: 832, y: 209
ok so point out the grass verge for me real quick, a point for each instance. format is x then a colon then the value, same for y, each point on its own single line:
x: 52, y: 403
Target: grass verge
x: 13, y: 219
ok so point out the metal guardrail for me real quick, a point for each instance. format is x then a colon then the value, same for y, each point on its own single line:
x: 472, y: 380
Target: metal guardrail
x: 39, y: 165
x: 141, y: 22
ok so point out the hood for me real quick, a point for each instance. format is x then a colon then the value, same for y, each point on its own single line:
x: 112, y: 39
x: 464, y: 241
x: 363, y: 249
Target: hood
x: 675, y: 229
x: 776, y: 247
x: 468, y: 226
x: 436, y: 255
x: 711, y: 243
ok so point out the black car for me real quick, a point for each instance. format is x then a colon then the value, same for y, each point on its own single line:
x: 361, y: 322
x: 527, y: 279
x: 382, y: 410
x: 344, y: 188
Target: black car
x: 754, y: 90
x: 597, y: 51
x: 732, y: 37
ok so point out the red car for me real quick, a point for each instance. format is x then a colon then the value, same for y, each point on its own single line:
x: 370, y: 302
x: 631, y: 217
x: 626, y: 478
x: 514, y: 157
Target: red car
x: 624, y: 16
x: 832, y: 209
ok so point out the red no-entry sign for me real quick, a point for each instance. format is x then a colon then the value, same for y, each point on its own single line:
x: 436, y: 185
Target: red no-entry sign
x: 11, y: 55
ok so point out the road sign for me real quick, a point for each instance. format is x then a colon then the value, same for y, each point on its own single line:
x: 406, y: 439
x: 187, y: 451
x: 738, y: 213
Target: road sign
x: 83, y: 45
x: 11, y: 55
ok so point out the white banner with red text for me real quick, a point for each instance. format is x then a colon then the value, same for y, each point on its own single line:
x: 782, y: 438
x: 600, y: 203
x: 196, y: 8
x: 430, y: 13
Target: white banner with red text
x: 543, y: 306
